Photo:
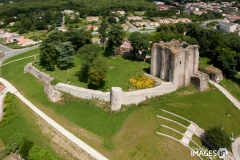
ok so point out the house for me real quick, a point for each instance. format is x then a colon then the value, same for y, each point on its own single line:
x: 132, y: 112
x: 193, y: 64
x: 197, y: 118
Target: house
x: 95, y: 28
x: 140, y: 24
x: 233, y: 9
x: 25, y: 42
x: 232, y: 17
x: 164, y: 7
x: 134, y: 18
x: 173, y: 20
x: 14, y: 39
x: 120, y: 12
x: 117, y: 19
x: 163, y: 21
x: 227, y: 27
x: 95, y: 18
x: 68, y: 12
x: 124, y: 26
x: 125, y: 49
x: 154, y: 24
x: 62, y: 28
x: 186, y: 20
x: 11, y: 24
x: 1, y: 23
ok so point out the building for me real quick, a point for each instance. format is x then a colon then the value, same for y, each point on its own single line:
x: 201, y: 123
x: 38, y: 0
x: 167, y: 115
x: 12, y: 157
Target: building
x: 154, y: 24
x: 90, y: 27
x: 12, y: 39
x: 164, y: 7
x: 124, y: 26
x: 177, y: 62
x: 11, y: 24
x: 68, y: 12
x: 140, y: 24
x: 62, y: 28
x: 120, y: 12
x: 26, y: 42
x: 125, y: 49
x: 89, y: 19
x: 227, y: 27
x: 134, y: 18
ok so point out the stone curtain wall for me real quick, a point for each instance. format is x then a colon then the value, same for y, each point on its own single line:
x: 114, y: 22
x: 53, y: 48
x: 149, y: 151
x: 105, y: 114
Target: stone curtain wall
x: 116, y: 97
x: 54, y: 95
x: 83, y: 92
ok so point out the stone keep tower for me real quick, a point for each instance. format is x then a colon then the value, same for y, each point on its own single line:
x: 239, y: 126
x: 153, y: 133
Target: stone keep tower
x: 174, y: 61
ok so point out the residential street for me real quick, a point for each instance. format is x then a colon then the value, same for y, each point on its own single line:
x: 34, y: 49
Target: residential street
x: 12, y: 52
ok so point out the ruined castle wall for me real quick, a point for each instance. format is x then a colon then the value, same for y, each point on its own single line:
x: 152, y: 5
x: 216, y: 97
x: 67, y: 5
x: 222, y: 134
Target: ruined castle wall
x: 54, y: 95
x: 82, y: 92
x: 154, y: 60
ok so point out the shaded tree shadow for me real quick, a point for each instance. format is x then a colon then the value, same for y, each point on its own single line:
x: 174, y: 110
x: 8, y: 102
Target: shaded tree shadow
x: 147, y: 70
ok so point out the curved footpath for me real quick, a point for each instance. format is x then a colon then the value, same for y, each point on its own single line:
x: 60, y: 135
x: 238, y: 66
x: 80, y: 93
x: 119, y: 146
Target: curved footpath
x: 62, y: 130
x: 236, y: 148
x: 236, y: 143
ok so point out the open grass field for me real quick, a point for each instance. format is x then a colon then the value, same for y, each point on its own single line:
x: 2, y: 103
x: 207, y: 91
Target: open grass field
x: 204, y: 62
x: 132, y: 133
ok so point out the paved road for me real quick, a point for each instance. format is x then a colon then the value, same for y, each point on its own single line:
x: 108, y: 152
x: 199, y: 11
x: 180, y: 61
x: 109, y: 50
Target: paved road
x: 206, y: 22
x: 54, y: 124
x: 236, y: 148
x: 227, y: 94
x: 12, y: 52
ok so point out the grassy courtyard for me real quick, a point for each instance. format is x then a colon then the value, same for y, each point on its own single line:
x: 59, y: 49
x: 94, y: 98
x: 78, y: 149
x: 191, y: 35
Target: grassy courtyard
x: 130, y: 134
x: 119, y: 73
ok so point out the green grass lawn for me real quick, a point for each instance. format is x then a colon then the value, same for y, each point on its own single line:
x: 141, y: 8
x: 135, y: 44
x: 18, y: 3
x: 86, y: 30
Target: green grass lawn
x: 25, y: 125
x: 120, y: 71
x: 111, y: 133
x: 35, y: 34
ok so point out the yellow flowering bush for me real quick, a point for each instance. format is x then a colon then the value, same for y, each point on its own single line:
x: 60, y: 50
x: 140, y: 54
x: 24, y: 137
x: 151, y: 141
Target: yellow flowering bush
x: 140, y: 81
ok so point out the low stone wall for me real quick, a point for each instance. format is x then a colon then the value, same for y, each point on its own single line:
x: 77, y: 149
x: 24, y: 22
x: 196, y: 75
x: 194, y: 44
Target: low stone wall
x: 158, y: 81
x: 54, y: 95
x: 83, y: 92
x: 117, y: 97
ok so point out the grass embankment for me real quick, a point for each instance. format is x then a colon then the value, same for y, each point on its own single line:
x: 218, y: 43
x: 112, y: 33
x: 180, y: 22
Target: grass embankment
x: 131, y: 134
x: 232, y: 87
x: 23, y: 123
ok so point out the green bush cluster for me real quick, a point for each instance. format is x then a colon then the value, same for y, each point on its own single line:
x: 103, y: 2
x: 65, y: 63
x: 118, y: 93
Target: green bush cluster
x: 26, y: 148
x: 8, y: 113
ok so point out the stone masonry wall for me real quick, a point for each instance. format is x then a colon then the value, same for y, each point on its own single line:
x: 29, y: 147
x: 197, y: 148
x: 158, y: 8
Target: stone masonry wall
x: 117, y: 97
x: 54, y: 95
x: 83, y: 92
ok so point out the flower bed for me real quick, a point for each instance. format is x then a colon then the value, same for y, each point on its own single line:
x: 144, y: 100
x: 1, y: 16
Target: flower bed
x: 141, y: 82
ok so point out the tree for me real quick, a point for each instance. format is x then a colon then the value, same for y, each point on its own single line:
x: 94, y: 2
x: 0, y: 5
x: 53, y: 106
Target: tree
x: 25, y: 148
x: 87, y: 53
x: 66, y: 54
x: 36, y: 153
x: 97, y: 72
x: 103, y: 31
x: 140, y: 42
x: 227, y: 64
x: 217, y: 136
x: 116, y: 36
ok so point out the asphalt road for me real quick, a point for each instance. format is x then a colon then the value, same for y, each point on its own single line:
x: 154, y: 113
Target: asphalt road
x: 12, y: 52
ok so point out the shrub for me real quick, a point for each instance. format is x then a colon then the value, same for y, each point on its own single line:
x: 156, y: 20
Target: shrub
x: 25, y: 148
x: 218, y: 137
x: 140, y: 81
x: 15, y: 142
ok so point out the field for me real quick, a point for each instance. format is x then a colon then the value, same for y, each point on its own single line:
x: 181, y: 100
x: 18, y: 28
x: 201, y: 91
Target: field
x: 130, y: 134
